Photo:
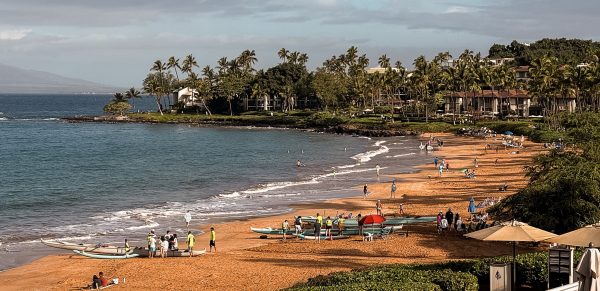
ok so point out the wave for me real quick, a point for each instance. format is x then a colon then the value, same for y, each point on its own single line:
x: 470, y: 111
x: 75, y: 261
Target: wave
x: 150, y: 225
x: 231, y: 195
x: 367, y: 156
x: 3, y: 118
x: 404, y: 155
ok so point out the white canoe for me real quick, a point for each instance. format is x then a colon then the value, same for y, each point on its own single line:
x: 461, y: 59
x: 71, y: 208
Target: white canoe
x: 117, y: 250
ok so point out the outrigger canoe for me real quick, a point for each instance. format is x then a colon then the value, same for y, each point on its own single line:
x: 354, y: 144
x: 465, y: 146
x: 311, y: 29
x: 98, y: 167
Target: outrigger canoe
x: 103, y: 256
x: 312, y: 237
x: 116, y: 250
x: 268, y: 230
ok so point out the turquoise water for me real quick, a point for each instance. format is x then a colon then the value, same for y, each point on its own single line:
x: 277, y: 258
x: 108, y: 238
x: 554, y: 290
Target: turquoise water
x: 94, y: 182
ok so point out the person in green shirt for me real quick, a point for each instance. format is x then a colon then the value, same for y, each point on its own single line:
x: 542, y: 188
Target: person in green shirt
x: 190, y: 243
x: 213, y: 238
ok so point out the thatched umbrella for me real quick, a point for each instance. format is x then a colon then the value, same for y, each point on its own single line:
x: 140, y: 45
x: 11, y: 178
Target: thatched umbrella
x: 513, y: 231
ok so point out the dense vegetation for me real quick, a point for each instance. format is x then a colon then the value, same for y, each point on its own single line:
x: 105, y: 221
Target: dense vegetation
x: 344, y: 85
x: 453, y: 275
x: 567, y: 51
x: 564, y: 189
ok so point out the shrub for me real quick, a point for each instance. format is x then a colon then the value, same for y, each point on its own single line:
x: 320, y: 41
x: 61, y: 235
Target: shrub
x: 326, y: 119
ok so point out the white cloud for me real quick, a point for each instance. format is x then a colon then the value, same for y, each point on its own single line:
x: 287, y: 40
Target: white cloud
x: 15, y: 34
x: 459, y: 9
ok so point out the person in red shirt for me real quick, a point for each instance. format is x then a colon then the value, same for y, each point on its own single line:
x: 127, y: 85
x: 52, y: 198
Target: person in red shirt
x: 103, y: 279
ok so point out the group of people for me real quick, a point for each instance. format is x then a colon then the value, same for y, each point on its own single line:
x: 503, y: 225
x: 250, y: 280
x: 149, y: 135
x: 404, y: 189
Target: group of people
x: 167, y: 242
x: 450, y: 221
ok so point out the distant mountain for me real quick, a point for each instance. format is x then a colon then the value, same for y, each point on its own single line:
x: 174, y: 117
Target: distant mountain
x: 17, y: 80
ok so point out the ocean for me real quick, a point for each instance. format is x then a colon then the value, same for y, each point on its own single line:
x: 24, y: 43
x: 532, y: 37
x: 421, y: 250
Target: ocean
x: 101, y: 183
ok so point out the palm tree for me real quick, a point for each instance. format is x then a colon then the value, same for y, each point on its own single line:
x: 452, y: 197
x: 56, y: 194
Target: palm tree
x: 222, y: 65
x: 302, y: 59
x: 131, y: 94
x: 384, y: 61
x: 160, y: 67
x: 283, y: 54
x: 152, y: 87
x: 173, y: 63
x: 293, y: 57
x: 246, y: 59
x: 188, y: 64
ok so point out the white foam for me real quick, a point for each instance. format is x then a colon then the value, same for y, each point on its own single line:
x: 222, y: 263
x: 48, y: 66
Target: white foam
x: 347, y: 166
x: 3, y: 118
x: 232, y: 195
x: 279, y: 185
x: 150, y: 225
x: 367, y: 156
x: 404, y: 155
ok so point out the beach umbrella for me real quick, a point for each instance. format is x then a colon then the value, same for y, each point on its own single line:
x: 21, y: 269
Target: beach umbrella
x: 588, y: 269
x: 508, y: 133
x: 472, y: 206
x: 580, y: 237
x: 372, y: 219
x: 513, y: 231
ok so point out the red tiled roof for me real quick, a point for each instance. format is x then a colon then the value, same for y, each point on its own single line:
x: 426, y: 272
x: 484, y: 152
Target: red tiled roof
x: 488, y: 93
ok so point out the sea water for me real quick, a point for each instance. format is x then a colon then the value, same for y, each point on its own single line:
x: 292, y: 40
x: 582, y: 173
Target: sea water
x: 102, y: 183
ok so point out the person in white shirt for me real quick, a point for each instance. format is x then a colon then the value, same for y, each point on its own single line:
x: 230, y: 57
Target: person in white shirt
x: 164, y: 247
x: 188, y: 218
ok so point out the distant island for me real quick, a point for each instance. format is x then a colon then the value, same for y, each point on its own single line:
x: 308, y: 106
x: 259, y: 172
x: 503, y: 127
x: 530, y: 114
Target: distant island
x: 15, y: 80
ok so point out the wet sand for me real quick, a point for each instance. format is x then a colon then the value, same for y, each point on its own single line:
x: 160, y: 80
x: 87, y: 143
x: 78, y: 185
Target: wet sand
x: 246, y: 262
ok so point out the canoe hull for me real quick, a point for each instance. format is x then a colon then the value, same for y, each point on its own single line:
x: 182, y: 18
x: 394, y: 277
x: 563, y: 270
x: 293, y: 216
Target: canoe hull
x: 312, y: 237
x: 85, y: 247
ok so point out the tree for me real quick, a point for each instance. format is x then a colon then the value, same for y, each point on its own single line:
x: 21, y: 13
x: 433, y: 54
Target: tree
x: 118, y: 105
x: 131, y: 94
x: 329, y: 88
x: 173, y: 63
x: 283, y: 54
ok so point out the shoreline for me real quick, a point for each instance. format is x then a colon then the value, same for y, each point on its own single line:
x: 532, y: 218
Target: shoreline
x: 239, y: 247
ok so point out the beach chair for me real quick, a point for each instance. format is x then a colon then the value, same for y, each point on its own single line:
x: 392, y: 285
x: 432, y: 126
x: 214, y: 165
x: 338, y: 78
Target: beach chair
x: 367, y: 236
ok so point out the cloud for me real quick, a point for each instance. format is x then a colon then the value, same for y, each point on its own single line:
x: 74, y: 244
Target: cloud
x: 15, y: 34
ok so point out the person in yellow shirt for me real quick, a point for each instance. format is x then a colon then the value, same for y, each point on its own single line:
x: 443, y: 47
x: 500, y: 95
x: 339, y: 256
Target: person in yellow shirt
x: 213, y: 239
x: 328, y: 227
x: 318, y: 224
x: 190, y: 242
x: 285, y: 226
x: 341, y: 224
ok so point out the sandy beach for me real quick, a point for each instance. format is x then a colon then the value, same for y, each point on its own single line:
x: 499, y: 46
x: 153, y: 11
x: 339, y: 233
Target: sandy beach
x: 246, y: 262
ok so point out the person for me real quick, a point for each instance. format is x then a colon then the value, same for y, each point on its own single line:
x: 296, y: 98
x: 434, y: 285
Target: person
x: 401, y: 208
x: 457, y: 221
x: 213, y: 240
x: 328, y: 227
x: 96, y: 282
x: 126, y: 247
x: 151, y: 246
x: 103, y: 279
x: 377, y: 169
x: 168, y: 235
x: 173, y: 242
x: 285, y: 226
x: 190, y: 241
x: 318, y: 224
x: 444, y: 224
x: 449, y: 216
x: 378, y: 207
x: 298, y: 163
x: 365, y: 191
x: 447, y: 166
x: 188, y: 219
x: 341, y: 224
x: 441, y: 169
x: 475, y: 162
x: 164, y: 246
x: 435, y: 161
x: 440, y: 216
x: 393, y: 192
x: 360, y: 223
x: 298, y: 224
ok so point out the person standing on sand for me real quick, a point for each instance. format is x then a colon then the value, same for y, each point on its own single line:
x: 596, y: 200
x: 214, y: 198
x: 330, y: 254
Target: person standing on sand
x: 151, y: 246
x: 447, y: 166
x: 298, y: 225
x: 393, y: 191
x: 475, y: 162
x: 188, y: 219
x: 377, y: 168
x: 190, y: 241
x: 441, y: 169
x: 435, y: 161
x: 341, y: 224
x: 285, y: 226
x: 328, y: 227
x: 126, y: 247
x: 213, y: 240
x: 449, y: 216
x: 378, y: 208
x: 401, y: 208
x: 318, y: 223
x: 365, y: 191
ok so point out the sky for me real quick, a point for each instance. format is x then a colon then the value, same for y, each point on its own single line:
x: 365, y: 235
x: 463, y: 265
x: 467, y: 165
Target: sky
x: 115, y: 42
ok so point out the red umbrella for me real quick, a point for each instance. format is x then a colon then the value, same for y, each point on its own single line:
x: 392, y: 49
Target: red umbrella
x: 372, y: 219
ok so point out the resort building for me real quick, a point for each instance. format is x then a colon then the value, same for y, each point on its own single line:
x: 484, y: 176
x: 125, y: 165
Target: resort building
x: 186, y: 96
x: 488, y: 103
